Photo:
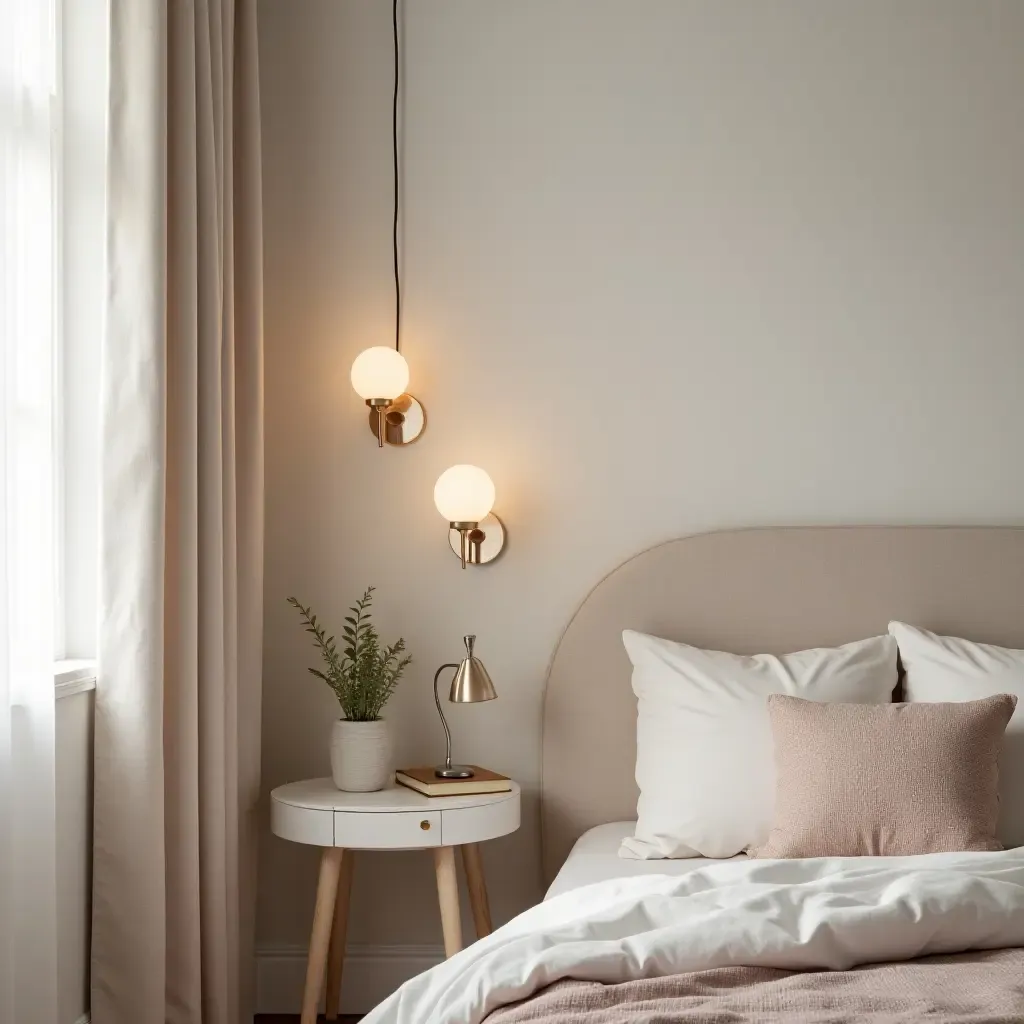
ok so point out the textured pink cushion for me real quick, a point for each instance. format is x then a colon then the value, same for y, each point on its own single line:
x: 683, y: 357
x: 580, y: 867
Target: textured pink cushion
x: 885, y: 780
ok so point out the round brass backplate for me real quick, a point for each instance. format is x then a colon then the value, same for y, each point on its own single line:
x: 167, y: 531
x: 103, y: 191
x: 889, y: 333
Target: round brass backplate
x: 485, y: 542
x: 404, y: 420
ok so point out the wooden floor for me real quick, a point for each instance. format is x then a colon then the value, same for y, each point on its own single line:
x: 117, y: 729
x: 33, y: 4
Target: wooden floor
x: 293, y: 1018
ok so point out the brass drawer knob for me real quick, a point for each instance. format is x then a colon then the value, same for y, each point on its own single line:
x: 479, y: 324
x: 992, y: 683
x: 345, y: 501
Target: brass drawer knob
x: 425, y: 825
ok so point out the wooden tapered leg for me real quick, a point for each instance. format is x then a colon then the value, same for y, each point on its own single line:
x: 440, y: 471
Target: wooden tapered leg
x: 473, y: 864
x: 320, y: 936
x: 336, y: 952
x: 448, y: 898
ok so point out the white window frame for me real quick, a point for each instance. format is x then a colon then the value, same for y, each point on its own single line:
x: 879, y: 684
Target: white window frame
x: 82, y: 77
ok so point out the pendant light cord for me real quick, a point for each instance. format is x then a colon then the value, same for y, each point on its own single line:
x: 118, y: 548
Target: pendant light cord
x: 394, y: 152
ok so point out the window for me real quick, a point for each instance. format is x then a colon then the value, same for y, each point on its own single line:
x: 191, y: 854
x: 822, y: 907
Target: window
x: 53, y: 91
x: 82, y: 212
x: 29, y: 311
x: 29, y: 324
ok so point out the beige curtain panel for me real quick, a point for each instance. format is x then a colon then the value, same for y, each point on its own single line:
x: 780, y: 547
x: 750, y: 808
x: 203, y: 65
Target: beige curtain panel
x: 178, y: 701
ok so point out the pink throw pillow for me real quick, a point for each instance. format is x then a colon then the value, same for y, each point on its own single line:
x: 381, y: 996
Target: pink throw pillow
x: 885, y: 780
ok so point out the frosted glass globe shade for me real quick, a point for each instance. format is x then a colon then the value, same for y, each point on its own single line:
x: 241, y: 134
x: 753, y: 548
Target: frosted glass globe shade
x: 380, y: 372
x: 464, y: 494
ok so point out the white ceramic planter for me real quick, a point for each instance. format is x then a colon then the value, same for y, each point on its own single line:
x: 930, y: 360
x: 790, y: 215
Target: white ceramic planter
x: 360, y: 755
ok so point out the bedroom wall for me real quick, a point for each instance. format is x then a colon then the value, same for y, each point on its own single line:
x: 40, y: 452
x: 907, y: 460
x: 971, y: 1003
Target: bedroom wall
x: 669, y: 266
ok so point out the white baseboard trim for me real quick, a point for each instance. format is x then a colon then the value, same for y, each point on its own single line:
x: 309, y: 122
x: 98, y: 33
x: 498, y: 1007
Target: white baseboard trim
x: 84, y: 1019
x: 371, y: 974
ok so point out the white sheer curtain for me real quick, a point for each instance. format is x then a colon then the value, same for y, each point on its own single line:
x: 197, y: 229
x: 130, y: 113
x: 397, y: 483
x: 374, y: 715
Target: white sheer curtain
x: 29, y: 149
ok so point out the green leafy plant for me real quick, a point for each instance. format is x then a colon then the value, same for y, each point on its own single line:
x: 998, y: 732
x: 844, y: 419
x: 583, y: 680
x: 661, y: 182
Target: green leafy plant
x: 363, y: 675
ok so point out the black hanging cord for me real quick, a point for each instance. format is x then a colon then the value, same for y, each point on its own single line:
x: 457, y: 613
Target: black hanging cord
x: 394, y: 151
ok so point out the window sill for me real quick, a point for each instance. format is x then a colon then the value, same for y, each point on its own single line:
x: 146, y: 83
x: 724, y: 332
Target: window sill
x: 71, y: 677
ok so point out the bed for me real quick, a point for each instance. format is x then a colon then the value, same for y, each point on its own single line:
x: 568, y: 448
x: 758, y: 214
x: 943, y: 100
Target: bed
x: 595, y: 858
x: 607, y: 944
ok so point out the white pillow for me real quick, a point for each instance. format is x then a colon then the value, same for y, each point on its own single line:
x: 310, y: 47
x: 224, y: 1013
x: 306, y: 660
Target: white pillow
x: 704, y: 757
x: 946, y: 668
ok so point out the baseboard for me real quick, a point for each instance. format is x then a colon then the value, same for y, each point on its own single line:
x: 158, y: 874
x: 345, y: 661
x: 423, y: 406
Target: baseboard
x: 371, y: 974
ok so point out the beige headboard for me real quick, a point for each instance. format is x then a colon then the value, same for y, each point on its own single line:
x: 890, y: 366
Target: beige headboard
x: 751, y: 591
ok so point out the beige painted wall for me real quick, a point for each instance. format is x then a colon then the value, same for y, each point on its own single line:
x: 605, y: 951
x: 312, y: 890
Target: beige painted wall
x: 74, y: 853
x: 669, y: 266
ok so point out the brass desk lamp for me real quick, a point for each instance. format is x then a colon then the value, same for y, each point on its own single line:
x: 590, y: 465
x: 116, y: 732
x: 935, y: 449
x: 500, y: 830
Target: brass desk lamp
x: 471, y: 684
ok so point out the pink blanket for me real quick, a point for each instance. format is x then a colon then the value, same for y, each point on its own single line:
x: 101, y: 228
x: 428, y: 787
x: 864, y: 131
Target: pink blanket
x: 760, y: 941
x: 968, y: 988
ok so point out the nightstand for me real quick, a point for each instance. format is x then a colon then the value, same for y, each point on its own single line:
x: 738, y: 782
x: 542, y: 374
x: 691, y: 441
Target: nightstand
x: 316, y: 813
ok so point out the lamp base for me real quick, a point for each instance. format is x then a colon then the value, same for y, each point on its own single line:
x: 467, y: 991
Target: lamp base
x: 456, y: 771
x: 404, y: 420
x: 483, y: 543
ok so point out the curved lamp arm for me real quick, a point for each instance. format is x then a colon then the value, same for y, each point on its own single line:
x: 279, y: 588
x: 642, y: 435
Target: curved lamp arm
x: 437, y: 701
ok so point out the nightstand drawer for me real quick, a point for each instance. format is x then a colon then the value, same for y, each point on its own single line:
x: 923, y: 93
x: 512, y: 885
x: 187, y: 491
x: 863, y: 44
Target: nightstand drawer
x: 478, y: 824
x: 407, y: 830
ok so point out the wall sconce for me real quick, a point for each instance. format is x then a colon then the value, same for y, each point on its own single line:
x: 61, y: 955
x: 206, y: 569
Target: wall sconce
x: 464, y: 495
x: 380, y: 376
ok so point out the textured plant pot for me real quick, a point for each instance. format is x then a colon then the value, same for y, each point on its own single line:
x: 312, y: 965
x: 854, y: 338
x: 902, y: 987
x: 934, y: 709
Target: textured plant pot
x: 360, y: 755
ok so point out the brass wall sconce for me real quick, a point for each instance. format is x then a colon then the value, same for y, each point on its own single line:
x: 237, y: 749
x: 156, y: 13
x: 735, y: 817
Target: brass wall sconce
x: 380, y: 376
x: 464, y: 495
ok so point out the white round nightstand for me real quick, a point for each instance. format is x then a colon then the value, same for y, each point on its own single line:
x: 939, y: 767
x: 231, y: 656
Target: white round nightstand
x: 396, y: 818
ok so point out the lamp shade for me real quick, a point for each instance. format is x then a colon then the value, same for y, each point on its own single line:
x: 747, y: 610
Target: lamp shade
x: 464, y: 494
x: 380, y: 372
x: 472, y: 683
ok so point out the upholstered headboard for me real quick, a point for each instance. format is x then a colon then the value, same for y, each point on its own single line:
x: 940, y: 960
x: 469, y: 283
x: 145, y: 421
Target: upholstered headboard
x: 751, y: 591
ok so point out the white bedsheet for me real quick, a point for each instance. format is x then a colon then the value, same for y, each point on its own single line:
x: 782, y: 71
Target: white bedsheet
x: 796, y: 914
x: 595, y: 858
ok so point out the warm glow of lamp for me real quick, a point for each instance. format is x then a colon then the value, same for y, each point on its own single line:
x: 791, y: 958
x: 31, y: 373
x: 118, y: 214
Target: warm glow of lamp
x: 380, y: 376
x: 380, y: 373
x: 464, y: 494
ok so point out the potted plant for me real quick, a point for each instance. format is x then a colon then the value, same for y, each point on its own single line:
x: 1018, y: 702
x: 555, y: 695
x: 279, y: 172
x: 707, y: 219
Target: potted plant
x: 363, y: 676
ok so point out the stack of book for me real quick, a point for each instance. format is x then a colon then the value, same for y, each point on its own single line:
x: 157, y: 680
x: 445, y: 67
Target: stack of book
x: 424, y: 781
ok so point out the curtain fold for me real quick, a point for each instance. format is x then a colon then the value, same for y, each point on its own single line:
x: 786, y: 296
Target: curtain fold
x: 177, y: 706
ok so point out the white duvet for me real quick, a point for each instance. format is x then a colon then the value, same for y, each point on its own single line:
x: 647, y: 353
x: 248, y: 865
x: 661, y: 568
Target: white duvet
x: 826, y: 913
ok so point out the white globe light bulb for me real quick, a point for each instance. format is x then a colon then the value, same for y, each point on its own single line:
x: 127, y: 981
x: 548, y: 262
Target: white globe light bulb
x: 464, y: 494
x: 380, y: 372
